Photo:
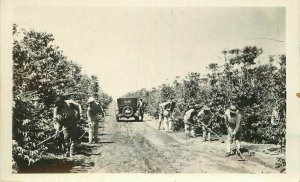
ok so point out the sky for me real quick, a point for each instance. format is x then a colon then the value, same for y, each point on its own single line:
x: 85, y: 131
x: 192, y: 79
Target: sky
x: 130, y: 48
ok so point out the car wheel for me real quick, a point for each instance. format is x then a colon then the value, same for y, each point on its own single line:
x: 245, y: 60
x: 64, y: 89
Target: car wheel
x: 127, y: 111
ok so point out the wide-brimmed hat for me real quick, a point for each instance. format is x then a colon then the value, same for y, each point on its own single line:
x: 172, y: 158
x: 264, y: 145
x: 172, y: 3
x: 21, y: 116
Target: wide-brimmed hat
x: 91, y: 99
x: 206, y: 108
x: 192, y: 105
x: 197, y: 106
x: 172, y: 100
x: 233, y: 109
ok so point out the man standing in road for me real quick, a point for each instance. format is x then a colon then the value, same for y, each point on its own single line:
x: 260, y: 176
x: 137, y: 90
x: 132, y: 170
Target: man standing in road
x: 141, y: 107
x: 233, y: 123
x: 205, y: 118
x: 67, y: 113
x: 165, y: 114
x: 190, y: 118
x: 191, y: 108
x: 161, y: 114
x: 168, y: 116
x: 162, y: 107
x: 94, y: 114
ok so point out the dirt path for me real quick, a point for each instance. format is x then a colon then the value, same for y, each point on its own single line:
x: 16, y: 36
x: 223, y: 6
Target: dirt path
x: 138, y: 147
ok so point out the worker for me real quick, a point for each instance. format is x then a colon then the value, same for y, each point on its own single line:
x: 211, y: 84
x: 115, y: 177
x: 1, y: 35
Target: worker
x: 205, y: 118
x: 190, y: 119
x: 66, y: 115
x: 233, y: 124
x: 94, y: 114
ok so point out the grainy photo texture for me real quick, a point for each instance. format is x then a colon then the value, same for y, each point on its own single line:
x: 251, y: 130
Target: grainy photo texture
x: 149, y: 90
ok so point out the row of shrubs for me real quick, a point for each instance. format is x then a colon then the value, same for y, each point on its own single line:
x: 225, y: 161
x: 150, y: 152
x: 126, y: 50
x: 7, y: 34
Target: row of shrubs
x: 40, y: 71
x: 256, y: 88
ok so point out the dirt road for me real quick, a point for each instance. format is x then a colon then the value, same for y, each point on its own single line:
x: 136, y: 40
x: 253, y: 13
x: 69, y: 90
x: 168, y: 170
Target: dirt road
x: 138, y: 147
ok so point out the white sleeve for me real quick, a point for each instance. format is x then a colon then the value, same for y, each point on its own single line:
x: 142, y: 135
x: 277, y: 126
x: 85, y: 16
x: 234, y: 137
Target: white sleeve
x: 274, y: 117
x: 227, y: 113
x: 226, y: 116
x: 88, y: 114
x: 54, y: 113
x: 199, y: 113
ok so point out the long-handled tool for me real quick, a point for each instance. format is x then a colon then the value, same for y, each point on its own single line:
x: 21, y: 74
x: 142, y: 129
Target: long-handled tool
x: 220, y: 139
x: 57, y: 133
x: 82, y: 135
x: 238, y: 152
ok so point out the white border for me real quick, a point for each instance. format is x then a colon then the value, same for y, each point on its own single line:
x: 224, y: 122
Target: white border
x: 292, y: 50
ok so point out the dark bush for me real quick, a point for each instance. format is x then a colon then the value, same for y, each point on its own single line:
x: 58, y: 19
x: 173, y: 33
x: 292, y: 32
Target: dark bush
x: 255, y: 89
x: 40, y: 70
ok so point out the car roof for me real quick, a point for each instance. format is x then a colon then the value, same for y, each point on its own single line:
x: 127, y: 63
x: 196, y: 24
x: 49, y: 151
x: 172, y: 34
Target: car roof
x: 127, y: 98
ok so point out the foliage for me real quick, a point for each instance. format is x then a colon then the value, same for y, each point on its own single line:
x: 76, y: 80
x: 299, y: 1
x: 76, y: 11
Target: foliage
x: 281, y: 163
x: 40, y: 70
x: 255, y: 88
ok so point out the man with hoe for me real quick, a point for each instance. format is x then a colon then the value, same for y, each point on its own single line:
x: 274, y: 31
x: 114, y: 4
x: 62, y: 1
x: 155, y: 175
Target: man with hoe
x: 205, y: 119
x: 190, y: 119
x: 66, y: 115
x: 165, y: 114
x: 233, y: 123
x: 190, y: 109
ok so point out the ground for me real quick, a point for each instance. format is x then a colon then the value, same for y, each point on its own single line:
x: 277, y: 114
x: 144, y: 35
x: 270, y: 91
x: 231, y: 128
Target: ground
x: 138, y: 147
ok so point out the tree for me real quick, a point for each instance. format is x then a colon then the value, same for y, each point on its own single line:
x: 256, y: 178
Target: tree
x: 40, y: 71
x: 255, y: 89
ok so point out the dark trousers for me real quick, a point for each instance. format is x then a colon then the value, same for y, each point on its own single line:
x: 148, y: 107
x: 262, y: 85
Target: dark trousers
x: 142, y: 115
x: 70, y: 136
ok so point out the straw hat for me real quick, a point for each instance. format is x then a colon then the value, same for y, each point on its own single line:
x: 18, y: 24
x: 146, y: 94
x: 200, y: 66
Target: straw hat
x: 233, y: 109
x: 197, y: 106
x: 206, y: 108
x: 91, y: 99
x: 192, y: 105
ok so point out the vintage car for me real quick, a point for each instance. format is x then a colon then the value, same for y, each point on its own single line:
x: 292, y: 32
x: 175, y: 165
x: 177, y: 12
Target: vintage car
x: 127, y: 108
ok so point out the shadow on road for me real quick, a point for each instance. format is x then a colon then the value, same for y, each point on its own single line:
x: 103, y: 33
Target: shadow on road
x: 86, y: 149
x: 107, y: 142
x: 129, y: 121
x: 65, y: 165
x: 49, y: 166
x: 102, y: 134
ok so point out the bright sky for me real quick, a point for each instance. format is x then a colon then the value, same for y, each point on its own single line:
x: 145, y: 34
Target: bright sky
x: 132, y: 48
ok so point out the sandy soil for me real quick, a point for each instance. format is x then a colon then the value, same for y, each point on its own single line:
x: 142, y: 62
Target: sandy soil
x: 138, y: 147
